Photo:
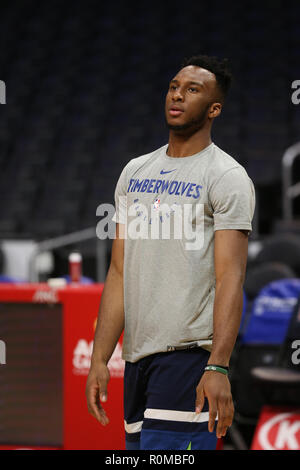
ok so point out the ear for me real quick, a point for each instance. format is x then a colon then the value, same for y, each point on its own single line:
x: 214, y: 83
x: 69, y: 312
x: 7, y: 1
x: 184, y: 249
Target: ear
x: 215, y: 110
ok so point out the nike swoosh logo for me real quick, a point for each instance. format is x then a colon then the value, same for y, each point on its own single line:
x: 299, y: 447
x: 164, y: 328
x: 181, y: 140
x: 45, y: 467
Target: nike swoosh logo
x: 164, y: 172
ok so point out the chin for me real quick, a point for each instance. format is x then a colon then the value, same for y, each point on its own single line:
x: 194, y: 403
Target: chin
x: 178, y: 126
x: 175, y: 123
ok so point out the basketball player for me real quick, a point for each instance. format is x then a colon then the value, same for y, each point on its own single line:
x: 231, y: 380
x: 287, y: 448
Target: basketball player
x: 179, y: 304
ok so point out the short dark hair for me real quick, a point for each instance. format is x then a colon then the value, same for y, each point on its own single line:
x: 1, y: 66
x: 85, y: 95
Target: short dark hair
x: 220, y: 68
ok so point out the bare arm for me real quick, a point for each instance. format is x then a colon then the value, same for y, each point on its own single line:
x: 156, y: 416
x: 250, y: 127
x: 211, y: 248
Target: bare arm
x: 110, y: 322
x: 110, y: 325
x: 231, y: 247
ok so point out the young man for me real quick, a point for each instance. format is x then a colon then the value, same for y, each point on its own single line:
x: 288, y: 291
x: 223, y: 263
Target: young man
x: 179, y: 302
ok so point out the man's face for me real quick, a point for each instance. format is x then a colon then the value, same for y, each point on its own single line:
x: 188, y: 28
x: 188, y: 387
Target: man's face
x: 190, y: 96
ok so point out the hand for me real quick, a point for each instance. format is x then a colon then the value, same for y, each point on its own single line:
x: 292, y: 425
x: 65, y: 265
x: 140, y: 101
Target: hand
x: 96, y: 390
x: 216, y: 388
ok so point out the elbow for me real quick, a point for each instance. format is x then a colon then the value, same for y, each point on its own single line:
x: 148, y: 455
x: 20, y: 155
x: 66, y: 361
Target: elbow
x: 236, y: 279
x: 116, y: 270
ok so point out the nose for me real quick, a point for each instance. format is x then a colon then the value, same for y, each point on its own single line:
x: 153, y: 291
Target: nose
x: 177, y: 95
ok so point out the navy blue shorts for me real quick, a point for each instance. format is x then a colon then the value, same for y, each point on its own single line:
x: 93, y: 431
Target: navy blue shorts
x: 159, y: 402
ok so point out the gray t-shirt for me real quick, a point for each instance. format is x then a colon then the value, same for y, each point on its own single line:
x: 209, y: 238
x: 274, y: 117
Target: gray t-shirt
x: 169, y: 279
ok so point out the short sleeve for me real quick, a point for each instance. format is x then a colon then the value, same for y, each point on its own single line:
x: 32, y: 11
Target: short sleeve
x: 120, y: 198
x: 233, y: 200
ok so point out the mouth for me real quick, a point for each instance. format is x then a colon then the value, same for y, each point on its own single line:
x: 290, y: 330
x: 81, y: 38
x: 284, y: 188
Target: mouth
x: 175, y: 111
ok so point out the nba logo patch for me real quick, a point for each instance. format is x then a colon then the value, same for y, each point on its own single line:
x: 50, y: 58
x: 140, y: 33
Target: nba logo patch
x: 156, y: 204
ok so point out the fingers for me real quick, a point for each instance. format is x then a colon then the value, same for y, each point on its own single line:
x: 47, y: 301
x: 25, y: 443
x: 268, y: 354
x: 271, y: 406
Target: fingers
x: 103, y: 398
x: 103, y: 390
x: 216, y: 388
x: 212, y: 402
x: 199, y: 399
x: 212, y: 407
x: 94, y: 393
x: 213, y: 411
x: 225, y: 416
x: 224, y: 410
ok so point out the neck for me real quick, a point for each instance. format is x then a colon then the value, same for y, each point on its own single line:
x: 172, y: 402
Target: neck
x: 184, y: 145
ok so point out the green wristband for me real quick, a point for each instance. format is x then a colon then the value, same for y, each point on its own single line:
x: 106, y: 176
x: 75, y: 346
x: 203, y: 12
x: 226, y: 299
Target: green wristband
x: 217, y: 369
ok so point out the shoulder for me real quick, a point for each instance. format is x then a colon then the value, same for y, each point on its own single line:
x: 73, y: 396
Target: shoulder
x: 223, y: 162
x: 224, y: 166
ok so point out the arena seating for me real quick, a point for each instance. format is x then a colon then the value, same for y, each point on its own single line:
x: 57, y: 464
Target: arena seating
x: 85, y: 91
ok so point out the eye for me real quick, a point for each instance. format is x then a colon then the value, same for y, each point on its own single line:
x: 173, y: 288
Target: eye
x: 193, y: 89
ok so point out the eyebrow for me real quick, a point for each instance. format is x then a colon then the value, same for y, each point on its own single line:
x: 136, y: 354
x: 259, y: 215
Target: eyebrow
x: 190, y: 83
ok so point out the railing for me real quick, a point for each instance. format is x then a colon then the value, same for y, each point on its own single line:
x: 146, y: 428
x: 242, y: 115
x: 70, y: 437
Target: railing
x: 289, y: 190
x: 68, y: 239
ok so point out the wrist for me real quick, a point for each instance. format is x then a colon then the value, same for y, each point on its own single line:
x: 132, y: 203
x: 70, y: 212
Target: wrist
x: 218, y: 359
x: 218, y: 364
x: 96, y: 361
x: 216, y: 368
